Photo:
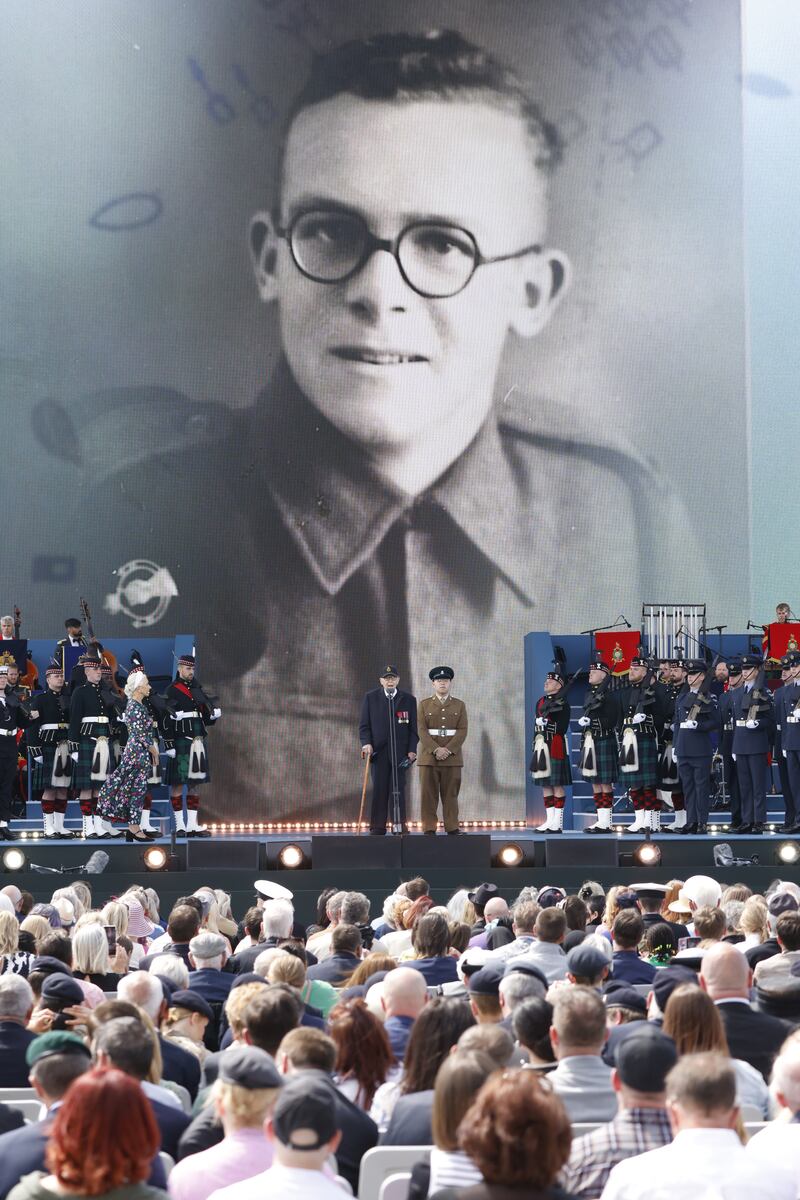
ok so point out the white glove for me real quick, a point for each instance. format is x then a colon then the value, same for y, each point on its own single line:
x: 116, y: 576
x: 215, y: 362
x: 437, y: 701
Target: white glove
x: 784, y: 755
x: 216, y: 714
x: 74, y: 755
x: 170, y: 753
x: 540, y: 722
x: 584, y: 721
x: 639, y: 717
x: 751, y: 724
x: 688, y: 724
x: 733, y: 758
x: 38, y: 758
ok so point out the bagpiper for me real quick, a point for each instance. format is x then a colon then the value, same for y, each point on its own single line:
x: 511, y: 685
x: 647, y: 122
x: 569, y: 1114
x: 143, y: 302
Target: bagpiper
x: 549, y: 765
x: 48, y: 743
x: 92, y: 715
x: 189, y: 714
x: 599, y: 758
x: 642, y: 719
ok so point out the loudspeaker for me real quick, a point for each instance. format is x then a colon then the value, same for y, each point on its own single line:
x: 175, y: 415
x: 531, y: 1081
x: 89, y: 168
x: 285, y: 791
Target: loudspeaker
x: 335, y: 851
x: 214, y: 854
x: 589, y: 853
x: 468, y: 851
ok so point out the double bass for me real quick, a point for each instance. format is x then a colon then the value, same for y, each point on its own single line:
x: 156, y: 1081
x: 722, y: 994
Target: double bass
x: 107, y: 657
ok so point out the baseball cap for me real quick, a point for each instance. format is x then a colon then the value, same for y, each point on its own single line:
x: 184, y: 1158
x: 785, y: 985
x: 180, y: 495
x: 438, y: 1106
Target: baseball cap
x: 645, y: 1058
x: 249, y: 1067
x: 305, y: 1104
x: 586, y: 962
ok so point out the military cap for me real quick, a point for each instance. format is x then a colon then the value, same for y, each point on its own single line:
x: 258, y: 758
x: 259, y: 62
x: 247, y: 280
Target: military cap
x: 556, y: 673
x: 586, y: 962
x: 618, y: 994
x: 54, y: 667
x: 90, y: 660
x: 192, y: 1002
x: 268, y: 890
x: 597, y: 664
x: 751, y: 660
x: 486, y: 981
x: 62, y: 989
x: 645, y: 1058
x: 388, y: 671
x: 249, y: 1067
x: 186, y: 660
x: 519, y: 965
x: 57, y: 1041
x: 694, y: 666
x: 650, y: 891
x: 441, y: 673
x: 640, y: 660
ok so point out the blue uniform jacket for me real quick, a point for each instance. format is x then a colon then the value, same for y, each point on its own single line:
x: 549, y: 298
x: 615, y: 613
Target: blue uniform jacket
x: 373, y: 727
x: 790, y: 726
x: 695, y: 743
x: 752, y: 741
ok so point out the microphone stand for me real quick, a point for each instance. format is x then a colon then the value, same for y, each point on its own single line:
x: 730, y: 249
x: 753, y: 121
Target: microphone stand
x: 397, y: 826
x: 620, y: 623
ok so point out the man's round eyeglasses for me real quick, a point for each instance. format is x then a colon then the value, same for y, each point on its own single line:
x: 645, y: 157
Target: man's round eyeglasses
x: 435, y: 259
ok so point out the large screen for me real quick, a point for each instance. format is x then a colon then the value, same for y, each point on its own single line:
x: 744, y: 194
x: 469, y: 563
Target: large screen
x: 338, y: 355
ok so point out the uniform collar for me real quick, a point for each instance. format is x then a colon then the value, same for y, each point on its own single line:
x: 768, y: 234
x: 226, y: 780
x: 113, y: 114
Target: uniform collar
x: 337, y: 510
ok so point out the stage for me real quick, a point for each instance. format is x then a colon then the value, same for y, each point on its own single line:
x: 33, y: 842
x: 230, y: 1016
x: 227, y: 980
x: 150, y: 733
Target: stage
x: 374, y: 865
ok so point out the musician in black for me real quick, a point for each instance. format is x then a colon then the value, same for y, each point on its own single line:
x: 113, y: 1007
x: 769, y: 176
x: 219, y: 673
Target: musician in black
x: 599, y: 760
x: 670, y: 788
x: 92, y: 714
x: 790, y: 802
x: 790, y: 733
x: 10, y: 722
x: 48, y: 743
x: 190, y: 713
x: 752, y: 737
x: 549, y: 765
x: 696, y: 722
x: 727, y: 718
x: 642, y: 721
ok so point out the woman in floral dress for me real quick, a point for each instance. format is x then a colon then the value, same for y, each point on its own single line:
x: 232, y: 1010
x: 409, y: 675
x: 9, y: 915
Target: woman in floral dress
x: 121, y: 796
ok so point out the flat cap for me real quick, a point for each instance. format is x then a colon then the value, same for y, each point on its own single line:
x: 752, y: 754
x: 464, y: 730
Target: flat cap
x: 249, y: 1067
x: 192, y: 1002
x: 62, y: 988
x: 586, y: 962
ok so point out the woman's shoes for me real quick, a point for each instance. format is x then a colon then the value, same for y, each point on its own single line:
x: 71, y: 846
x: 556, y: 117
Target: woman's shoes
x: 141, y: 836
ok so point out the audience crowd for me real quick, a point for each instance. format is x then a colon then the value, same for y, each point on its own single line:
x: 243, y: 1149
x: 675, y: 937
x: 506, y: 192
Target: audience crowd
x: 635, y: 1043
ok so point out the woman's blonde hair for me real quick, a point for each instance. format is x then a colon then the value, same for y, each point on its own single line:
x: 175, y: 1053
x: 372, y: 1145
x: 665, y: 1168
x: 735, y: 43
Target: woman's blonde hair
x: 9, y: 933
x: 755, y: 917
x: 287, y: 969
x: 116, y: 914
x: 37, y: 925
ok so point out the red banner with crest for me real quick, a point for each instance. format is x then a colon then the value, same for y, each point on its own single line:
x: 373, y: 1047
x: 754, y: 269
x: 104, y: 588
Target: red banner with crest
x: 780, y: 637
x: 617, y: 648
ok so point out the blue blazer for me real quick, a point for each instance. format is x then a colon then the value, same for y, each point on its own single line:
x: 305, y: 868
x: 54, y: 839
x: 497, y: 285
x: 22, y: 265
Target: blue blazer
x: 373, y: 727
x: 695, y: 743
x: 752, y: 741
x: 14, y: 1041
x: 790, y: 730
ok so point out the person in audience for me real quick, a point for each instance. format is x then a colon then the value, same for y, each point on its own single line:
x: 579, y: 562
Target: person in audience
x: 170, y: 967
x: 304, y: 1131
x: 208, y: 953
x: 319, y: 944
x: 13, y: 961
x: 695, y: 1025
x: 321, y: 920
x: 311, y: 1053
x: 431, y: 944
x: 277, y: 922
x: 147, y: 993
x: 732, y: 910
x: 778, y: 904
x: 397, y: 939
x: 364, y: 1058
x: 626, y: 965
x: 779, y: 967
x: 187, y: 1018
x: 243, y: 1096
x: 659, y: 944
x: 55, y: 1060
x: 355, y: 911
x: 547, y: 951
x: 484, y: 993
x: 458, y: 1081
x: 578, y: 1034
x: 251, y: 926
x: 462, y: 910
x: 709, y: 926
x: 523, y: 927
x: 651, y: 897
x: 183, y: 924
x: 517, y: 1134
x: 753, y: 1036
x: 102, y: 1143
x: 623, y: 1004
x: 706, y: 1156
x: 126, y: 1045
x: 497, y: 925
x: 488, y: 1039
x: 403, y: 998
x: 343, y: 959
x: 37, y: 926
x: 366, y: 968
x: 753, y: 923
x: 90, y: 960
x: 242, y: 992
x: 779, y: 1141
x: 402, y: 1109
x: 531, y: 1021
x: 514, y: 987
x: 16, y: 1007
x: 290, y: 970
x: 639, y: 1078
x: 589, y: 964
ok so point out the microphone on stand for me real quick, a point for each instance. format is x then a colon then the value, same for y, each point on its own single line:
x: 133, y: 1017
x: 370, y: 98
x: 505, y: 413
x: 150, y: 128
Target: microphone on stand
x: 622, y: 617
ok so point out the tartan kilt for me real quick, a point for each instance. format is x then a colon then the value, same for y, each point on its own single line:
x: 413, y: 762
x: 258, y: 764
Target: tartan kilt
x: 560, y: 774
x: 82, y: 769
x: 42, y: 773
x: 605, y: 747
x: 647, y: 774
x: 177, y: 771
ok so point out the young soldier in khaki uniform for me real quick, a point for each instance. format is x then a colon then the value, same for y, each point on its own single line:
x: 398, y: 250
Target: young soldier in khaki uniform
x: 442, y: 723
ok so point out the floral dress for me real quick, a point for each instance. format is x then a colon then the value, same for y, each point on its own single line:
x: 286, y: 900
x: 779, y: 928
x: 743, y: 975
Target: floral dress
x: 121, y: 796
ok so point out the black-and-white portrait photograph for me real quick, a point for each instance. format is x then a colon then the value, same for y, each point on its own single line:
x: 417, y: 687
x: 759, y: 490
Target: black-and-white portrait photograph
x: 359, y: 332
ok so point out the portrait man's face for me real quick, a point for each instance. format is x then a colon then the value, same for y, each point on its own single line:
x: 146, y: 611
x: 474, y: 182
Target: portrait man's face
x: 441, y: 687
x: 596, y: 677
x: 636, y: 672
x: 7, y: 627
x: 382, y: 362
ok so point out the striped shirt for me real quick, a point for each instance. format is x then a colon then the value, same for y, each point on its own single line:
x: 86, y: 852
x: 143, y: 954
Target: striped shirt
x: 452, y: 1169
x: 631, y: 1132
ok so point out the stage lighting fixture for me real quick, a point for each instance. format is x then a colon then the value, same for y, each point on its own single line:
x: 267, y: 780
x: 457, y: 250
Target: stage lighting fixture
x: 14, y: 860
x: 510, y: 855
x: 648, y: 854
x: 787, y: 853
x: 155, y: 858
x: 291, y: 857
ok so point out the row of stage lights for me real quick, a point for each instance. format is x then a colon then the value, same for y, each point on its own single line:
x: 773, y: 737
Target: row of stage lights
x: 337, y: 826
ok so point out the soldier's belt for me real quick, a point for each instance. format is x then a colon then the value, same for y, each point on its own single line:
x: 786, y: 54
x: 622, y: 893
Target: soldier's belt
x: 793, y: 720
x: 741, y: 722
x: 95, y: 721
x: 8, y: 733
x: 47, y: 728
x: 186, y: 716
x: 442, y: 732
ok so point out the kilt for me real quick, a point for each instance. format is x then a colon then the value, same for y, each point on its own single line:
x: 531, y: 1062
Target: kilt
x: 646, y: 776
x: 560, y: 774
x: 42, y: 773
x: 82, y: 769
x: 605, y: 746
x: 177, y: 771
